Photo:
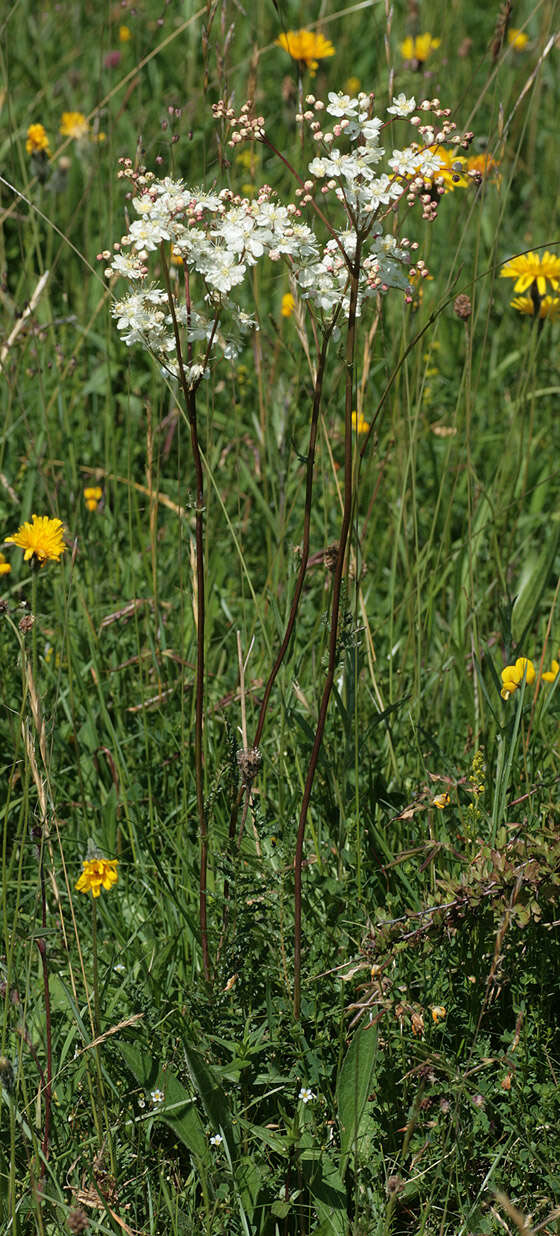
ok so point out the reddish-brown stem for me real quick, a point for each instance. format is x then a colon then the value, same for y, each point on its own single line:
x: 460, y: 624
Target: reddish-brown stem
x: 189, y: 395
x: 333, y: 634
x: 47, y: 1090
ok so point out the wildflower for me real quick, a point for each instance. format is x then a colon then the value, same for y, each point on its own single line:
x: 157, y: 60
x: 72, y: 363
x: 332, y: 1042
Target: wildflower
x: 288, y: 305
x: 216, y: 1140
x: 37, y: 141
x: 41, y: 540
x: 125, y: 34
x: 92, y: 496
x: 402, y: 106
x: 517, y: 39
x: 417, y: 50
x: 306, y: 47
x: 484, y: 166
x: 514, y: 675
x: 5, y: 566
x: 441, y: 801
x: 438, y: 1013
x: 74, y: 124
x: 157, y: 1096
x: 141, y: 1102
x: 548, y: 307
x: 359, y: 422
x: 528, y: 268
x: 550, y: 675
x: 451, y: 168
x: 98, y: 873
x: 306, y: 1095
x: 352, y: 85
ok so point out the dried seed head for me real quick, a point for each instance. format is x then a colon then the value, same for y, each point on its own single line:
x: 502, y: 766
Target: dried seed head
x: 77, y: 1220
x: 25, y: 624
x: 462, y: 307
x: 249, y: 760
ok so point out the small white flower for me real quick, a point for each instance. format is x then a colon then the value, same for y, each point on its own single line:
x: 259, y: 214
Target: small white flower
x: 141, y: 1102
x: 119, y: 968
x: 341, y: 104
x: 306, y: 1095
x: 157, y: 1096
x: 216, y: 1140
x: 402, y: 106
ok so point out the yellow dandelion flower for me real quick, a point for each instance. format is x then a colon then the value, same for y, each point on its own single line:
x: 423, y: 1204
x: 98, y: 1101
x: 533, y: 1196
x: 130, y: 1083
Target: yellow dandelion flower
x: 530, y: 268
x: 359, y: 422
x: 74, y: 124
x: 5, y: 566
x: 518, y: 39
x: 550, y: 675
x: 92, y: 496
x: 441, y: 801
x: 549, y: 306
x: 288, y: 305
x: 514, y: 675
x: 306, y: 47
x: 42, y: 540
x: 37, y: 140
x: 419, y: 48
x: 438, y: 1013
x: 97, y: 873
x: 125, y: 34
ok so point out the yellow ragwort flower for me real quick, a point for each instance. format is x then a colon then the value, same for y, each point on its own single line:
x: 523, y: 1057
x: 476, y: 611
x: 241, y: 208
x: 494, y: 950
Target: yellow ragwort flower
x: 549, y: 676
x: 92, y: 496
x: 98, y: 873
x: 288, y: 305
x: 5, y: 567
x: 41, y: 540
x: 438, y: 1013
x: 359, y: 422
x: 517, y: 39
x: 549, y: 306
x: 530, y: 268
x: 441, y: 801
x: 419, y: 48
x: 124, y: 34
x: 37, y: 140
x: 514, y: 675
x: 74, y: 124
x: 306, y: 47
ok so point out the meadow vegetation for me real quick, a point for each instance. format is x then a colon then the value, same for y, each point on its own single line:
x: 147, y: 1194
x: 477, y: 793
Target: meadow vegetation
x: 279, y: 622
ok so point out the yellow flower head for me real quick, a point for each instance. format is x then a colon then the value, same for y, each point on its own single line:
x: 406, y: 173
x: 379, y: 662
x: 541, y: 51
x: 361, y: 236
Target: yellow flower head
x: 452, y: 170
x: 438, y: 1013
x: 359, y: 422
x: 5, y: 567
x: 550, y: 675
x: 74, y: 124
x: 306, y: 47
x: 352, y: 85
x: 514, y: 675
x: 517, y: 39
x: 531, y: 268
x: 98, y: 873
x: 288, y: 305
x: 41, y: 540
x: 92, y: 496
x: 441, y: 801
x: 485, y: 166
x: 37, y: 140
x: 124, y: 34
x: 549, y: 306
x: 419, y: 48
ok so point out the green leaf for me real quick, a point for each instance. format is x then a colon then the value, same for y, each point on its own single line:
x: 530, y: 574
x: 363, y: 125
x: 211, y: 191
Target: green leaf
x: 178, y: 1110
x: 354, y: 1084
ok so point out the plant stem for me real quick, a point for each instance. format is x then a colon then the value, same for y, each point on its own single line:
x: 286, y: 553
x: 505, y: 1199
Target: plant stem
x: 333, y: 635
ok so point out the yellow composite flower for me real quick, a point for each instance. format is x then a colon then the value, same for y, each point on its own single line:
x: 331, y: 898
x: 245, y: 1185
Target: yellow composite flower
x: 306, y: 47
x: 549, y: 306
x: 97, y: 873
x: 441, y: 801
x: 419, y: 48
x: 549, y: 675
x: 92, y: 496
x: 5, y: 567
x: 517, y: 39
x: 530, y: 268
x: 452, y: 171
x: 125, y: 34
x: 37, y: 140
x: 513, y: 676
x: 41, y: 540
x: 438, y: 1013
x: 288, y: 305
x: 74, y: 124
x: 359, y: 422
x: 486, y: 166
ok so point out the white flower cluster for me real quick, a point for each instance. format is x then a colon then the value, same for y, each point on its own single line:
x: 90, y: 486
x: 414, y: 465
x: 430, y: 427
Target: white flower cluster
x: 218, y: 237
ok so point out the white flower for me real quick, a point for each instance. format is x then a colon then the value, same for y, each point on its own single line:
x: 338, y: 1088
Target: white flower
x: 157, y: 1096
x: 216, y: 1140
x: 317, y: 167
x: 148, y: 233
x: 428, y: 163
x: 402, y: 106
x: 404, y: 162
x: 125, y: 264
x: 341, y: 104
x: 306, y: 1095
x: 223, y: 270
